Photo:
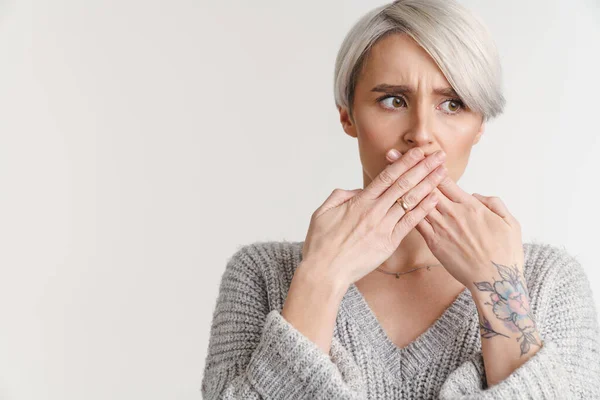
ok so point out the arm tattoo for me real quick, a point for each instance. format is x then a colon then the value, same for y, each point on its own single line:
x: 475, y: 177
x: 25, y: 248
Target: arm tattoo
x: 486, y: 329
x: 510, y: 303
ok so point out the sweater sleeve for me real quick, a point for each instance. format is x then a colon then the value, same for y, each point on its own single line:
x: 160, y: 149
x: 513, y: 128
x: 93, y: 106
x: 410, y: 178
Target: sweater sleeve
x: 567, y: 366
x: 255, y: 353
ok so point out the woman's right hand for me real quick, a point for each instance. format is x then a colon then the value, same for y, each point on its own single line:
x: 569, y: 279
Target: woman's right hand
x: 355, y: 231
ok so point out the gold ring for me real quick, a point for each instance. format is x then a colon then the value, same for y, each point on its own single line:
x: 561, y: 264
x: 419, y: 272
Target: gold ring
x: 404, y: 206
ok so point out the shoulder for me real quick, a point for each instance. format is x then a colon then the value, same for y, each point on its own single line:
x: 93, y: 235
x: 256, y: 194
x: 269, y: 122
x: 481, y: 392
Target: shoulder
x: 278, y: 256
x: 267, y: 266
x: 544, y: 261
x: 554, y: 275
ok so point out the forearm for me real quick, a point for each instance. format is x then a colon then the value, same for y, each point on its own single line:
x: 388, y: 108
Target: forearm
x: 509, y: 334
x: 312, y: 303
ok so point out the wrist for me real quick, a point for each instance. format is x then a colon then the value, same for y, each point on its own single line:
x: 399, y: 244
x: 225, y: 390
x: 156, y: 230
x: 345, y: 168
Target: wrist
x: 318, y: 278
x: 312, y: 304
x: 485, y: 277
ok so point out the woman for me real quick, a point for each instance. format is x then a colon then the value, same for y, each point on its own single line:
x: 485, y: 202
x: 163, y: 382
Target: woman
x: 409, y: 287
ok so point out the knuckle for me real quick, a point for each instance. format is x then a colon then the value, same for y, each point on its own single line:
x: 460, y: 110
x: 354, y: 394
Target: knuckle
x: 360, y: 196
x: 433, y: 177
x: 361, y: 200
x: 446, y: 181
x: 473, y: 208
x: 439, y: 175
x: 423, y: 209
x: 496, y: 200
x: 315, y: 214
x: 356, y: 201
x: 403, y: 183
x: 452, y: 213
x: 386, y: 177
x: 410, y: 219
x: 410, y: 199
x: 479, y: 209
x: 430, y: 186
x: 431, y: 164
x: 369, y: 221
x: 334, y: 193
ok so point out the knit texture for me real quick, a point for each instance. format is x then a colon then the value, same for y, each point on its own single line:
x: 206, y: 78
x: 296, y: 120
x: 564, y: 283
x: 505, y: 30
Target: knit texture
x: 254, y: 353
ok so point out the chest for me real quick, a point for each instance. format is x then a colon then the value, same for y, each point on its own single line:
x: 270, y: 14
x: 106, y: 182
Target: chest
x: 406, y: 314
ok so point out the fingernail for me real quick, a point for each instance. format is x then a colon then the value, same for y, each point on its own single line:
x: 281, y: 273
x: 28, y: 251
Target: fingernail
x: 393, y: 154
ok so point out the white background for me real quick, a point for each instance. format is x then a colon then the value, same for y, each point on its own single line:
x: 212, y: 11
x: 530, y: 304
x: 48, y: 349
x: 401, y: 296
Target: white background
x: 143, y: 142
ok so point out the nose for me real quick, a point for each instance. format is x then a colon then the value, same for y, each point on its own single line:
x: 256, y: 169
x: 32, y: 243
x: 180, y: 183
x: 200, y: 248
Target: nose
x: 419, y: 129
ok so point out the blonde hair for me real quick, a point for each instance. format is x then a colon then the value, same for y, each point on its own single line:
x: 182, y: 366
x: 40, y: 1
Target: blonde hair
x: 456, y: 39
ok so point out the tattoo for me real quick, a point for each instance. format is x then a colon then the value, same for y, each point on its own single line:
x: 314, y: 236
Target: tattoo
x: 510, y: 303
x: 487, y: 331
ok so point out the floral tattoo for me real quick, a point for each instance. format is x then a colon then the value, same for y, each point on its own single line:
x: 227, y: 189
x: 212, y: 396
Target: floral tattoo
x: 510, y: 303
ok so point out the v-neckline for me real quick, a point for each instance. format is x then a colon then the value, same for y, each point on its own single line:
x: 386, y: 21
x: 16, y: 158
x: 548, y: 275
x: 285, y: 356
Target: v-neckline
x: 405, y: 362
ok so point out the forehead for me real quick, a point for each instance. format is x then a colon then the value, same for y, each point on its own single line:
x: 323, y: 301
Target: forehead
x: 398, y: 59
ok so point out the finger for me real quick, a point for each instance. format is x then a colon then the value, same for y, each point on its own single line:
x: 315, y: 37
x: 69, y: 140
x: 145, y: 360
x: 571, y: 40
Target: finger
x: 436, y: 218
x: 336, y: 198
x: 425, y: 228
x: 388, y: 176
x: 415, y: 195
x: 437, y: 221
x: 405, y: 184
x: 444, y: 204
x: 442, y: 199
x: 410, y: 220
x: 453, y: 192
x: 496, y: 205
x: 432, y: 225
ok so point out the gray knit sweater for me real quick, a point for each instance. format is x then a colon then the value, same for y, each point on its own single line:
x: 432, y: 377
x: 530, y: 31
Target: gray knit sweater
x: 254, y: 353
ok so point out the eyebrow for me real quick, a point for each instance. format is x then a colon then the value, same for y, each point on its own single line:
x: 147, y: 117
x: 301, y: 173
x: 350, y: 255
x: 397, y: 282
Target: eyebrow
x: 404, y: 89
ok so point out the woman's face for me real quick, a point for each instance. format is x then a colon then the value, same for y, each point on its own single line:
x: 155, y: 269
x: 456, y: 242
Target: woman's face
x: 402, y: 100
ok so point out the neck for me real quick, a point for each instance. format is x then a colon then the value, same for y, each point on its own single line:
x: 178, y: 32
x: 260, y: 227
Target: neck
x: 412, y: 252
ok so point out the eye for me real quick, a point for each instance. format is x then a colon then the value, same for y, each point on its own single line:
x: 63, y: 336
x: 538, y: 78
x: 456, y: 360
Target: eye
x: 454, y: 106
x: 396, y: 102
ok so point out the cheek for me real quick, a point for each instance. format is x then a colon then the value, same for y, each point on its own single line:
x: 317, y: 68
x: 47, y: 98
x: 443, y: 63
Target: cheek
x: 457, y: 143
x: 376, y: 135
x: 374, y: 131
x: 373, y: 146
x: 458, y: 132
x: 374, y: 141
x: 457, y: 160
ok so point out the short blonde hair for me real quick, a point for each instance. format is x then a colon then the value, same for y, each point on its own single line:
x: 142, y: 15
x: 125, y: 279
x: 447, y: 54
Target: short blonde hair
x: 456, y: 39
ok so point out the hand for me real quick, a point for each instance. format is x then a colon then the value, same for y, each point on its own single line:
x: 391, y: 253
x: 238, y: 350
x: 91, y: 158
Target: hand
x: 469, y: 233
x: 355, y: 231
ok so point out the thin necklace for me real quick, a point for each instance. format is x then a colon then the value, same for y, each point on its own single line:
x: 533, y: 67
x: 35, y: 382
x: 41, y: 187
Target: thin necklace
x: 409, y: 271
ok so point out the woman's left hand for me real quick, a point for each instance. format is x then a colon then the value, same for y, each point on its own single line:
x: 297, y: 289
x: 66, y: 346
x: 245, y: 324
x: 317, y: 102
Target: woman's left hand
x: 469, y: 233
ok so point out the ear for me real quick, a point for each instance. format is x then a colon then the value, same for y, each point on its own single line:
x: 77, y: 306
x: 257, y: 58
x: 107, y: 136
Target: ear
x: 347, y: 122
x: 481, y: 130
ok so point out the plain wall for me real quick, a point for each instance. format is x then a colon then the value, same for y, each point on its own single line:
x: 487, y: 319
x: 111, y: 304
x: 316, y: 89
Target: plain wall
x: 143, y: 142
